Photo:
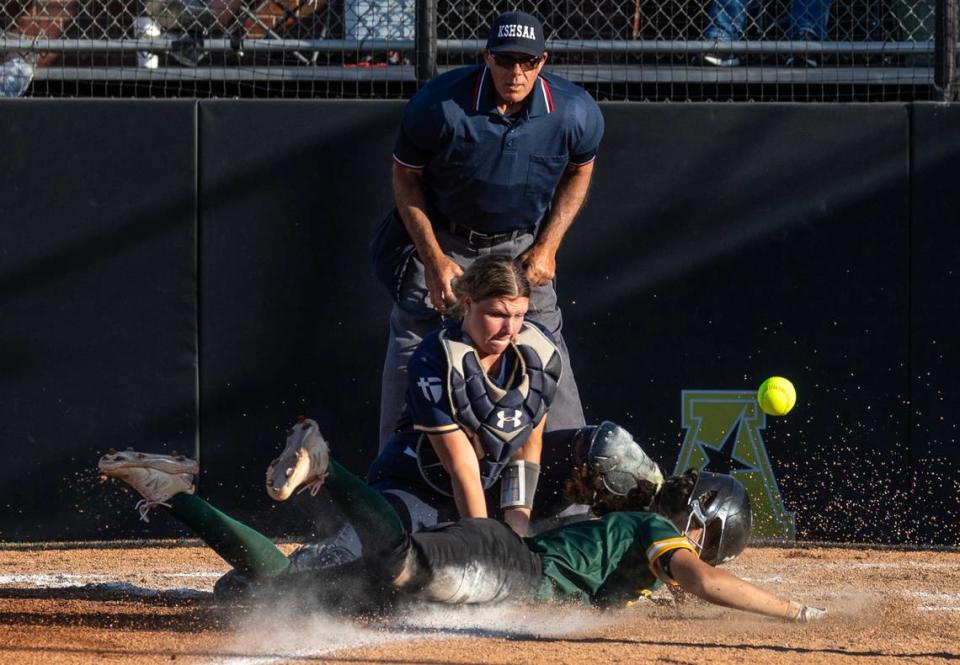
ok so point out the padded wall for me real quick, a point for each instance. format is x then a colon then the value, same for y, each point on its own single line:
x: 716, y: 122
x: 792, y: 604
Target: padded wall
x: 98, y: 302
x: 935, y: 315
x: 292, y: 321
x: 721, y: 244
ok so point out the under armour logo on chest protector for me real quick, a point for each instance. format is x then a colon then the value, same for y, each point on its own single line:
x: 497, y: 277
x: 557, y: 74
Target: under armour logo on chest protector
x: 516, y: 420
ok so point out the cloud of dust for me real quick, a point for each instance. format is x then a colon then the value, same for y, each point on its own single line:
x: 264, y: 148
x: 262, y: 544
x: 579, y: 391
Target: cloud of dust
x: 850, y: 603
x: 503, y: 620
x: 278, y: 634
x: 287, y: 631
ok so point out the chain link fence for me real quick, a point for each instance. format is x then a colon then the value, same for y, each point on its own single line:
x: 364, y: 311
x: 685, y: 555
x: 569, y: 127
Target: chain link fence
x: 208, y: 48
x: 676, y: 50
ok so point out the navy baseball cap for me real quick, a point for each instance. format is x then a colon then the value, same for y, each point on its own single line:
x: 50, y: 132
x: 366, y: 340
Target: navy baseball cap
x: 516, y: 32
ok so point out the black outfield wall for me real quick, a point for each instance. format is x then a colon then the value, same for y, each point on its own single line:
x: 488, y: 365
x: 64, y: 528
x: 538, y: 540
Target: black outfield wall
x: 292, y: 321
x: 935, y: 314
x: 175, y: 272
x: 726, y: 244
x: 98, y: 297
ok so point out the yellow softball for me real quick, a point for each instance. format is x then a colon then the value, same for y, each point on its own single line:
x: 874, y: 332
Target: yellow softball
x: 776, y: 396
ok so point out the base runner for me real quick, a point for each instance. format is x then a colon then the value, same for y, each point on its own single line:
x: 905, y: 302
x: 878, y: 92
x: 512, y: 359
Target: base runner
x: 675, y: 533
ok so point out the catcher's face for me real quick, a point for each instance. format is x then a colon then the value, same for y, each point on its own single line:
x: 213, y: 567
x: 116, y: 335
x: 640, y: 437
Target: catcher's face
x: 493, y: 323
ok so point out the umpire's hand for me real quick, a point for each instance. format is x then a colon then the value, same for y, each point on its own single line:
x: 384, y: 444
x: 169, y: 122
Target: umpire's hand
x: 540, y: 263
x: 439, y: 273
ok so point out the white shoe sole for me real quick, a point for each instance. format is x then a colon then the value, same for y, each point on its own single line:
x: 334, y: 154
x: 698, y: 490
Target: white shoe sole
x: 174, y: 464
x: 302, y: 462
x: 155, y: 477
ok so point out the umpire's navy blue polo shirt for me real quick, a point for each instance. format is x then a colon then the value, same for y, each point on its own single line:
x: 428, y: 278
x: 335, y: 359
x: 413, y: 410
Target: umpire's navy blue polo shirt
x: 483, y: 171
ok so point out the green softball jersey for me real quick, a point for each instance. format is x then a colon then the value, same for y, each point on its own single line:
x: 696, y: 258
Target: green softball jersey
x: 607, y: 561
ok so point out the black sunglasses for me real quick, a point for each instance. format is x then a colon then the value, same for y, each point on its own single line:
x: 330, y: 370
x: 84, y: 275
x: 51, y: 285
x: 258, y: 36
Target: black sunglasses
x: 526, y: 62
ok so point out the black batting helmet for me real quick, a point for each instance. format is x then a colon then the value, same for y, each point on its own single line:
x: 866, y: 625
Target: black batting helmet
x: 722, y: 507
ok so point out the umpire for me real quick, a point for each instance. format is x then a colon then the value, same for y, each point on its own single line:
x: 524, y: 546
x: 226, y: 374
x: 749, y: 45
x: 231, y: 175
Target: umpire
x: 490, y: 159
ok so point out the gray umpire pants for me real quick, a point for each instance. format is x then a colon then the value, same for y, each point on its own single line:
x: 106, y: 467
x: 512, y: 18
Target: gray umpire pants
x: 412, y: 318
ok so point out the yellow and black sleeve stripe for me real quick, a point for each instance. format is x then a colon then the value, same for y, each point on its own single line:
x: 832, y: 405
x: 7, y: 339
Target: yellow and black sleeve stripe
x: 661, y: 547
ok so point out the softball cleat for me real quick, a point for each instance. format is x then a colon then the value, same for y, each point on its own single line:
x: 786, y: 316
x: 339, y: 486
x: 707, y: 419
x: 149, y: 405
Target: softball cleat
x: 131, y: 458
x: 155, y: 477
x: 303, y: 462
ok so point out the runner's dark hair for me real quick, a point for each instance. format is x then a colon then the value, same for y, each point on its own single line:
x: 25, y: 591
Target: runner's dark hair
x: 586, y: 486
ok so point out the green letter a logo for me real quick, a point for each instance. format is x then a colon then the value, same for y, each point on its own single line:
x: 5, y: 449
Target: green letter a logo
x: 723, y: 435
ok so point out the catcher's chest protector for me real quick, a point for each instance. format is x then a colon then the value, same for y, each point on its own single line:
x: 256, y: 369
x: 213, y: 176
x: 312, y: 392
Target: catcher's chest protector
x: 498, y: 420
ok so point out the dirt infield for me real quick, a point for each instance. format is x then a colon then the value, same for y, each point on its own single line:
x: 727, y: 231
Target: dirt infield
x: 155, y: 605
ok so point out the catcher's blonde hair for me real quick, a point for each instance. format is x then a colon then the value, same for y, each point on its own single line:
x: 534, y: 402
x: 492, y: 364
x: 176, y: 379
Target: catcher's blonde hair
x: 490, y: 277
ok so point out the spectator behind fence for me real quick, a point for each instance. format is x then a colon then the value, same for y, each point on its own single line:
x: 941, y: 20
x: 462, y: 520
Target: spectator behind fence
x: 42, y: 19
x: 182, y: 20
x: 187, y: 22
x: 379, y: 19
x: 808, y: 22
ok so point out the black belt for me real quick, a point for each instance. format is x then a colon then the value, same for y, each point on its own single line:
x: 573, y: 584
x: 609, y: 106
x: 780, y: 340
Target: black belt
x: 479, y: 239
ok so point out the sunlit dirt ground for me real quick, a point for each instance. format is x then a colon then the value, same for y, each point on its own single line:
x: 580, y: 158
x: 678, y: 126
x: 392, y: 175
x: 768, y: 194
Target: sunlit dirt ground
x: 138, y: 605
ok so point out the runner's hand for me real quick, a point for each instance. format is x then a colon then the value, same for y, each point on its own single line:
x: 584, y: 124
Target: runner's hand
x: 808, y: 614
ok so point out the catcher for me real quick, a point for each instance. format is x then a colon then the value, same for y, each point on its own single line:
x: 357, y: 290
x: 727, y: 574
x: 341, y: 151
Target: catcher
x: 477, y: 401
x: 675, y: 533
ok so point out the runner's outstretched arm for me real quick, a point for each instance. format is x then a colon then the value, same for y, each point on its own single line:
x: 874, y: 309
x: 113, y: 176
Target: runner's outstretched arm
x: 721, y: 588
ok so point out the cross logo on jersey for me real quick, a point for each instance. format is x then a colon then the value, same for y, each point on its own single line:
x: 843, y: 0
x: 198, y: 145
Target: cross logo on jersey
x: 431, y: 387
x: 516, y: 419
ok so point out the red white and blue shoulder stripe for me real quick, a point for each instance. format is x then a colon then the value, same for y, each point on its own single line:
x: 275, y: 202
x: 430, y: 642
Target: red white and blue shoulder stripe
x: 547, y: 95
x: 478, y: 88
